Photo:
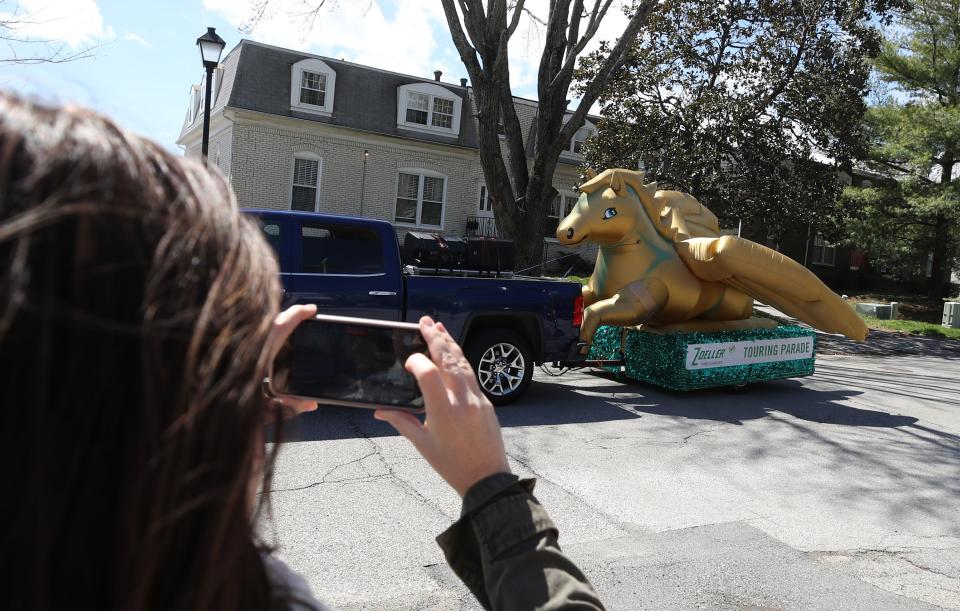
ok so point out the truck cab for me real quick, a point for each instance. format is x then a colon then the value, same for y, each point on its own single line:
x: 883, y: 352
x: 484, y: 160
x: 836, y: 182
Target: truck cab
x: 352, y: 267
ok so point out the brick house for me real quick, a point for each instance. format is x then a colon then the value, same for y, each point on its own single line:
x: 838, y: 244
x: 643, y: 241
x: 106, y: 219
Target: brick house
x: 292, y: 130
x: 840, y: 267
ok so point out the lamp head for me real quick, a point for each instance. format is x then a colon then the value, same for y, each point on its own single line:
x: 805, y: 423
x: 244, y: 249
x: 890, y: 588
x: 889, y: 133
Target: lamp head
x: 210, y: 46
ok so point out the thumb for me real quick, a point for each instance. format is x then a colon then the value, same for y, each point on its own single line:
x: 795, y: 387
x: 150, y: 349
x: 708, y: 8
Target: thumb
x: 406, y: 424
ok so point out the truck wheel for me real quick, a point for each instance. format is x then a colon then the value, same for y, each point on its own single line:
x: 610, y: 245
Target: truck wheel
x: 503, y: 362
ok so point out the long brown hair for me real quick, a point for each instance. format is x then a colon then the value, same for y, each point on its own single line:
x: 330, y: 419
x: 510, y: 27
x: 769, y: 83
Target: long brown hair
x: 135, y: 302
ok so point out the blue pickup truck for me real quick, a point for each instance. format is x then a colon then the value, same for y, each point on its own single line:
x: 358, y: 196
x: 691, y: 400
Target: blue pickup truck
x: 352, y: 267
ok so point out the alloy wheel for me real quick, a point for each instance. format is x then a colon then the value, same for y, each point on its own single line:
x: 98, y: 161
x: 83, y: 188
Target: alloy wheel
x: 501, y: 369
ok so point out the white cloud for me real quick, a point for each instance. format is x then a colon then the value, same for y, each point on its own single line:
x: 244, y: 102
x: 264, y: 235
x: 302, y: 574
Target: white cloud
x: 137, y: 39
x: 415, y: 40
x: 75, y: 22
x: 354, y: 31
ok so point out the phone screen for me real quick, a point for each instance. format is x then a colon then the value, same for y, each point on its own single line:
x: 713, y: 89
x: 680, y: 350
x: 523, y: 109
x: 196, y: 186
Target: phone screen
x: 353, y: 362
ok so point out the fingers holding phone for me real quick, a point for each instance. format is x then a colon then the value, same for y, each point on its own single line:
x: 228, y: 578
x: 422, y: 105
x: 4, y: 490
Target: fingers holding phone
x: 284, y: 325
x: 460, y: 437
x: 355, y: 362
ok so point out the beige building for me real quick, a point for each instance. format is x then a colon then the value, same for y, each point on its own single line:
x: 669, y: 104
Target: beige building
x: 297, y: 131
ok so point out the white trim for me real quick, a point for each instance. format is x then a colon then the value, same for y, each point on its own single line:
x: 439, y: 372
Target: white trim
x: 587, y: 125
x: 293, y: 165
x: 196, y: 101
x: 296, y: 75
x: 432, y: 91
x: 823, y: 246
x: 215, y: 85
x: 443, y: 204
x: 482, y: 191
x: 192, y: 134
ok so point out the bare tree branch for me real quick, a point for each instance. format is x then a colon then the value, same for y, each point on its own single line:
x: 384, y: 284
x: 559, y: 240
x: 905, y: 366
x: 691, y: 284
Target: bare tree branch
x: 25, y: 49
x: 613, y: 61
x: 518, y: 10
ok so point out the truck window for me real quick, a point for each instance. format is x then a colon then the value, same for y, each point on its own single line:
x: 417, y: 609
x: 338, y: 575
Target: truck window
x: 332, y: 249
x: 272, y: 232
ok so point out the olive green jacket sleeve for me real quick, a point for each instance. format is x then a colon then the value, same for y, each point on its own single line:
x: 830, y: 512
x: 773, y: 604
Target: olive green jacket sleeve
x: 504, y: 548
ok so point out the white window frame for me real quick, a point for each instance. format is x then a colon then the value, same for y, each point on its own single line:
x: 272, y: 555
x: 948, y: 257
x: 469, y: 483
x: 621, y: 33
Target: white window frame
x: 483, y: 198
x: 823, y: 245
x: 433, y: 91
x: 296, y: 77
x: 587, y: 127
x: 564, y: 196
x: 443, y: 206
x: 293, y: 166
x: 193, y: 102
x: 215, y: 86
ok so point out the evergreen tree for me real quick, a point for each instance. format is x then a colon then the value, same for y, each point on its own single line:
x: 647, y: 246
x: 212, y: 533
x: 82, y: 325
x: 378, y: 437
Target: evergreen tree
x: 915, y: 138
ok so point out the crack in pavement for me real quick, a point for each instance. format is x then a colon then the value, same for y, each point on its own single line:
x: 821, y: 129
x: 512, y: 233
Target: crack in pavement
x: 390, y: 474
x: 899, y: 553
x: 687, y: 438
x: 323, y: 478
x: 404, y: 485
x: 648, y: 439
x: 523, y: 463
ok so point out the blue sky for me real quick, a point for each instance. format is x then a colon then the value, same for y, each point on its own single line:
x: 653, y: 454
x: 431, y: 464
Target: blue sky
x: 141, y: 72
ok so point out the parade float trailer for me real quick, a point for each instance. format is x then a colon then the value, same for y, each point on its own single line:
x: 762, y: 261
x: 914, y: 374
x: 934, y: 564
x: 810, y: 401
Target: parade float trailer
x: 670, y: 300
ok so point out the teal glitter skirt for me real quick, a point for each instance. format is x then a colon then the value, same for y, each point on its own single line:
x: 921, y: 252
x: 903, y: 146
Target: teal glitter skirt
x: 688, y: 361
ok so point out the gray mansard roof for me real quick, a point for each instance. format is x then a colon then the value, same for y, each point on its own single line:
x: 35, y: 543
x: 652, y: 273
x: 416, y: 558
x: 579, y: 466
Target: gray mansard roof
x: 365, y: 99
x: 256, y: 77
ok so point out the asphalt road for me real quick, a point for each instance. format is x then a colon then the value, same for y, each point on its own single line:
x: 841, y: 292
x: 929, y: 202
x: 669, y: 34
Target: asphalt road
x: 841, y: 490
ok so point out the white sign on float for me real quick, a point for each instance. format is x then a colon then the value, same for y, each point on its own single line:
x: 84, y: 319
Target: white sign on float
x: 707, y: 356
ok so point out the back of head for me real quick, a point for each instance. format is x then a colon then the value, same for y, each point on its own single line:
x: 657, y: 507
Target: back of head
x: 134, y: 304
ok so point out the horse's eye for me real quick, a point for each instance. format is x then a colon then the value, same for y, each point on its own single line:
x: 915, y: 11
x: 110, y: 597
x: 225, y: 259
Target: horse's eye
x: 609, y: 213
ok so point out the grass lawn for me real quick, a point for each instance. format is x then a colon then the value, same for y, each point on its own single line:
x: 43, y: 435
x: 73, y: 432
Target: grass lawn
x: 912, y: 307
x: 914, y: 327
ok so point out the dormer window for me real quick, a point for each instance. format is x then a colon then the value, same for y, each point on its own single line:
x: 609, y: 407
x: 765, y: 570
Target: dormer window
x: 424, y: 109
x: 312, y: 87
x: 442, y: 113
x: 579, y: 140
x: 194, y: 104
x: 418, y: 108
x: 429, y: 108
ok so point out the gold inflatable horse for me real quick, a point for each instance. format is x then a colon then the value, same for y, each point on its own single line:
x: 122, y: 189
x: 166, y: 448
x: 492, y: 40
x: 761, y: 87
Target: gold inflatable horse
x: 663, y: 261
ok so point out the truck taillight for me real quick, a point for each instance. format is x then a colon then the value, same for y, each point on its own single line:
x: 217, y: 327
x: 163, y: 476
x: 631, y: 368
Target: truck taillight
x: 578, y: 311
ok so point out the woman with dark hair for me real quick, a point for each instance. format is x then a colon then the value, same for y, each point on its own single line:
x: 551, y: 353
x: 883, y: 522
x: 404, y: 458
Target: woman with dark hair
x: 138, y: 316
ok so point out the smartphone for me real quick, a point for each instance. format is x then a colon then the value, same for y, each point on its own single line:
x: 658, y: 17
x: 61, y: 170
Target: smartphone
x: 355, y: 362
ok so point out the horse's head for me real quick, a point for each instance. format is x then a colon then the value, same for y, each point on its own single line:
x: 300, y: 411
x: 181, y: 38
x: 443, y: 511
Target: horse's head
x: 608, y: 210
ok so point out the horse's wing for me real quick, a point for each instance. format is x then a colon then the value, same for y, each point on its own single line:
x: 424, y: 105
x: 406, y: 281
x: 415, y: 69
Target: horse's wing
x: 772, y: 278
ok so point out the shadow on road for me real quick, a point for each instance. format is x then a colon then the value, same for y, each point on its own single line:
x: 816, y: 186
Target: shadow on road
x: 785, y: 396
x: 600, y: 397
x: 550, y: 404
x: 881, y: 342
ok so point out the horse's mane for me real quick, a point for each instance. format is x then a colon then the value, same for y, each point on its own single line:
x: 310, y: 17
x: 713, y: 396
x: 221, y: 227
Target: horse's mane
x: 676, y: 215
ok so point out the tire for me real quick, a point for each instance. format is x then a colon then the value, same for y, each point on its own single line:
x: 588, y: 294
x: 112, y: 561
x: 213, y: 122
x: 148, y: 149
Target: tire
x: 503, y: 362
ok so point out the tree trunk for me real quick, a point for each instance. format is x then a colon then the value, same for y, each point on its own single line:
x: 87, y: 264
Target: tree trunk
x: 520, y: 201
x: 940, y: 268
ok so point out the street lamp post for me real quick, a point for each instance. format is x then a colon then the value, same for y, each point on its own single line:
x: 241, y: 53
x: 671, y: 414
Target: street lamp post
x: 211, y: 46
x: 363, y: 179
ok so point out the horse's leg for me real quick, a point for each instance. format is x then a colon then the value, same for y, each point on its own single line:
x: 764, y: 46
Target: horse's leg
x: 722, y: 302
x: 589, y: 296
x: 632, y: 305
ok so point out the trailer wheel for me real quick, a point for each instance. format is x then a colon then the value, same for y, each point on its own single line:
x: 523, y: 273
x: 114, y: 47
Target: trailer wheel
x: 503, y: 362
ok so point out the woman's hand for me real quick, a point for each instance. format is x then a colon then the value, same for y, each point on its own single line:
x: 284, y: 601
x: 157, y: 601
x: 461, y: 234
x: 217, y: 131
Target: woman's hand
x: 283, y: 326
x: 460, y: 437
